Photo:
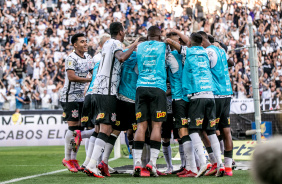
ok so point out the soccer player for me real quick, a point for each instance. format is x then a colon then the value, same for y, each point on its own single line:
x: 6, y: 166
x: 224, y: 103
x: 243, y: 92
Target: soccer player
x: 150, y: 102
x: 180, y: 103
x: 87, y: 111
x: 78, y: 65
x: 222, y: 94
x: 104, y: 96
x: 198, y: 86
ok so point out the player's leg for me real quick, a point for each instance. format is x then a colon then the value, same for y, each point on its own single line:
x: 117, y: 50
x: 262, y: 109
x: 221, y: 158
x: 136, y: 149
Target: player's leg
x: 158, y: 114
x: 212, y: 158
x: 224, y: 126
x: 106, y: 107
x: 71, y: 115
x: 196, y: 115
x: 130, y: 142
x: 141, y: 109
x: 210, y: 114
x: 167, y: 126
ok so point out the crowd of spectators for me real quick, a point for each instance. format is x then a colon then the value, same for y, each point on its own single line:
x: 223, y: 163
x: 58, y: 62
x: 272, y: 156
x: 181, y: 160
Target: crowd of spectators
x: 35, y: 39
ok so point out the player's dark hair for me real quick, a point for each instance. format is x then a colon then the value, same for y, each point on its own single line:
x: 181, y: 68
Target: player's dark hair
x: 154, y: 31
x: 211, y: 38
x: 142, y: 39
x: 75, y: 37
x: 171, y: 34
x: 196, y: 39
x: 115, y: 28
x: 204, y: 34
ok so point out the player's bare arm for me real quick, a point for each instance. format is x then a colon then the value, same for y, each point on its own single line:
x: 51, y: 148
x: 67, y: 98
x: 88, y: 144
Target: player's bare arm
x: 74, y: 78
x: 174, y: 44
x: 123, y: 56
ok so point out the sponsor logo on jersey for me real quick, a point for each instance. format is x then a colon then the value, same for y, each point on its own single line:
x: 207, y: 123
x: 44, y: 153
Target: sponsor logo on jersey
x: 184, y: 121
x: 138, y: 115
x: 64, y: 115
x: 84, y: 119
x: 228, y: 120
x: 199, y: 121
x: 217, y: 120
x: 114, y: 117
x: 161, y: 114
x: 74, y: 113
x: 134, y: 126
x: 213, y: 123
x: 117, y: 123
x: 100, y: 116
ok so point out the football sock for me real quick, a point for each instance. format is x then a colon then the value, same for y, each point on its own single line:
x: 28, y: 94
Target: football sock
x: 167, y: 154
x: 221, y: 143
x: 198, y: 146
x: 109, y: 147
x: 228, y: 158
x: 197, y: 159
x: 86, y: 145
x: 87, y: 133
x: 99, y: 147
x: 211, y: 155
x: 73, y: 154
x: 154, y: 151
x: 216, y: 148
x: 181, y: 152
x: 145, y: 155
x: 138, y: 149
x: 68, y: 146
x: 90, y: 149
x: 189, y: 154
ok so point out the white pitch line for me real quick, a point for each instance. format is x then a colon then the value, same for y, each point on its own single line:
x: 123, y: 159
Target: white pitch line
x: 43, y: 174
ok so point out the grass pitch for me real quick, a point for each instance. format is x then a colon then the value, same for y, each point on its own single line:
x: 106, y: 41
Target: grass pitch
x: 18, y: 162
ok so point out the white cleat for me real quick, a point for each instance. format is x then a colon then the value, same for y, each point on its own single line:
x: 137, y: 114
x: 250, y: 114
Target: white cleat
x: 203, y: 170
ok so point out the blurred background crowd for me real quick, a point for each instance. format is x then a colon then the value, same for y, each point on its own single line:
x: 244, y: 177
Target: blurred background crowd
x: 35, y: 39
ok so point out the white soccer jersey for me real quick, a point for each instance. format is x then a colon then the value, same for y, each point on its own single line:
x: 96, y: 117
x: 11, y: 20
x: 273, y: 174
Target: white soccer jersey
x: 73, y: 91
x: 108, y: 75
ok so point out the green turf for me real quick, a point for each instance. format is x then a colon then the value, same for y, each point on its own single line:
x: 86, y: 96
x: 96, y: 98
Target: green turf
x: 19, y: 162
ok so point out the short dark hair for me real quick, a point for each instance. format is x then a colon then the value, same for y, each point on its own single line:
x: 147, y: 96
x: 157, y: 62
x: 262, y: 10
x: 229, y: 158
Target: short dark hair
x: 143, y: 39
x: 171, y: 34
x: 115, y: 28
x: 204, y: 34
x: 154, y: 31
x: 74, y: 38
x: 211, y: 38
x: 196, y: 39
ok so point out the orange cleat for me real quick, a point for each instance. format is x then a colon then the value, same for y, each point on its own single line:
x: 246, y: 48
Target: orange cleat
x: 184, y: 171
x: 76, y: 165
x: 137, y: 169
x: 228, y: 171
x: 93, y: 172
x: 69, y: 165
x: 160, y: 173
x: 220, y: 171
x: 188, y: 174
x: 144, y: 172
x: 103, y: 167
x: 212, y: 171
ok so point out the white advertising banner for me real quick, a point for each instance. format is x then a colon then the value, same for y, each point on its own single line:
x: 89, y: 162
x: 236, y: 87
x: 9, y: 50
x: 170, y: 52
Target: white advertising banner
x: 242, y: 106
x: 32, y: 130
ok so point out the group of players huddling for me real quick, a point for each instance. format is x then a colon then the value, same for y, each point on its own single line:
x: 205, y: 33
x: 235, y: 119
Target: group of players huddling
x: 129, y: 91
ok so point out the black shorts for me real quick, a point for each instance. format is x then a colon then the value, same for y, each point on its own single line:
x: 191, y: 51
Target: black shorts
x: 87, y: 112
x: 72, y: 111
x: 168, y: 126
x: 199, y: 110
x: 180, y: 112
x: 222, y: 112
x: 125, y: 115
x: 104, y: 107
x: 150, y: 104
